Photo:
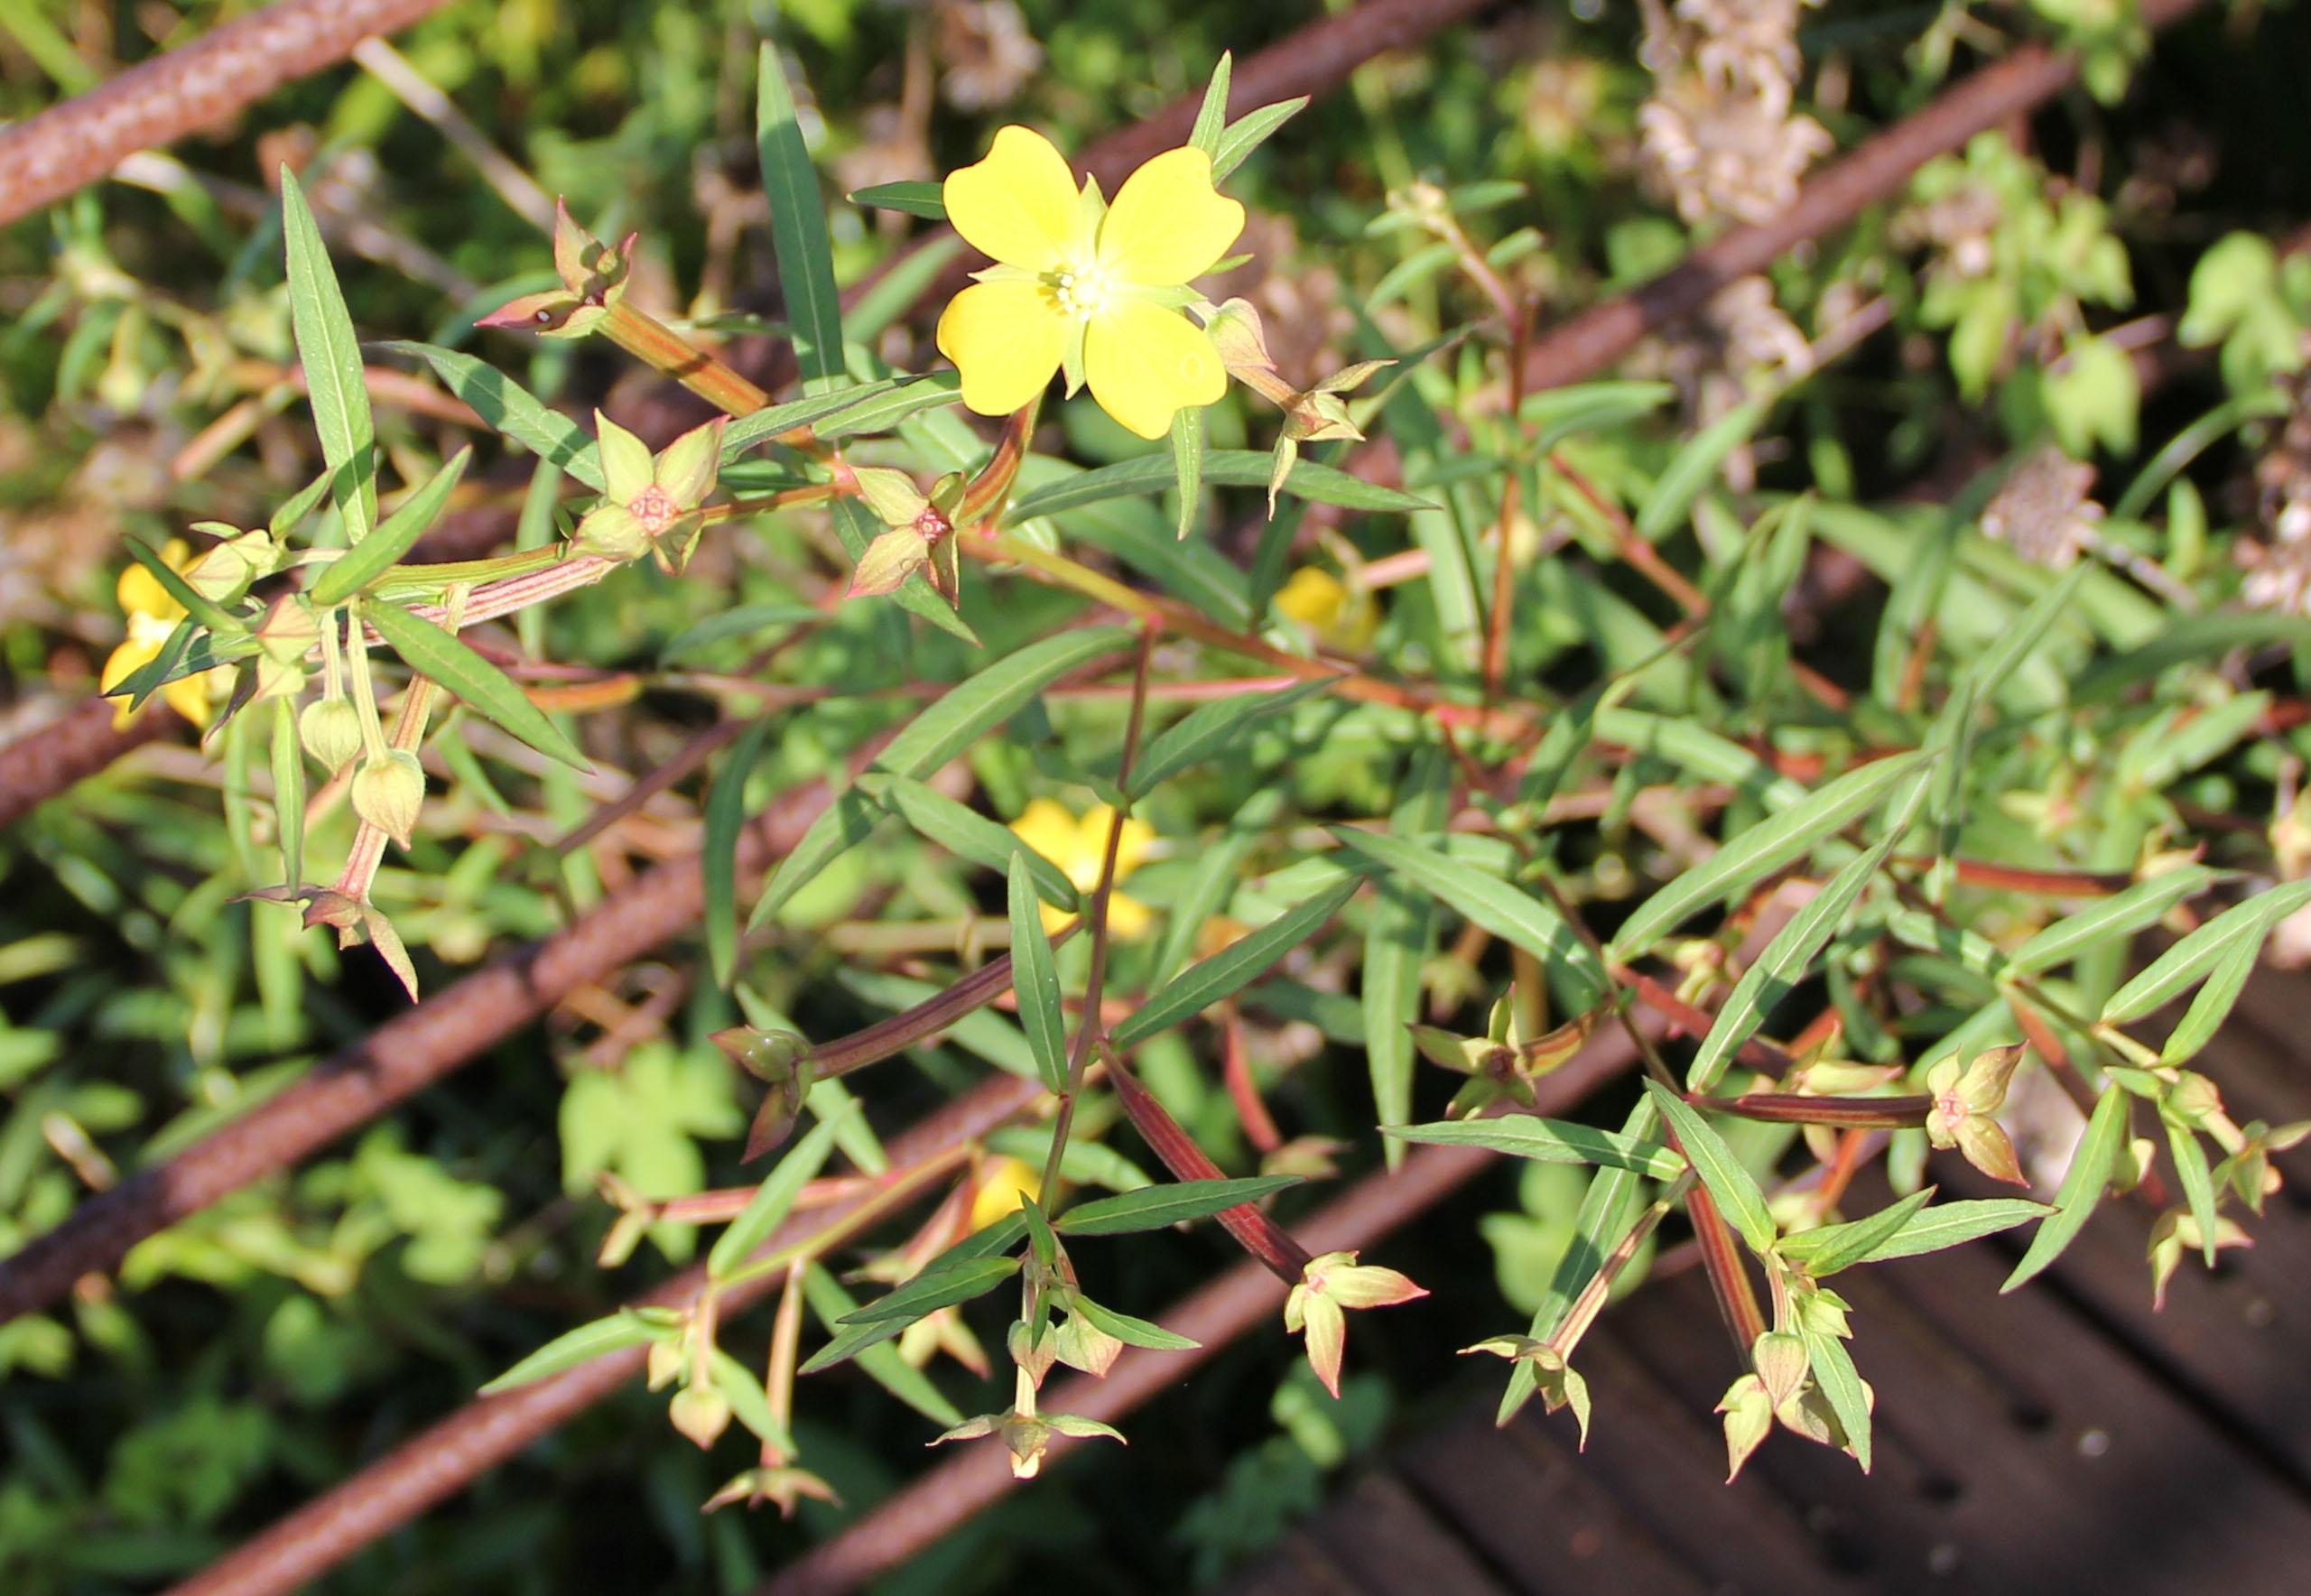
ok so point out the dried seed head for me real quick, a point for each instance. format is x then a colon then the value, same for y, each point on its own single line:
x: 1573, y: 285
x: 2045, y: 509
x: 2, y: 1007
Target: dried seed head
x: 2044, y: 511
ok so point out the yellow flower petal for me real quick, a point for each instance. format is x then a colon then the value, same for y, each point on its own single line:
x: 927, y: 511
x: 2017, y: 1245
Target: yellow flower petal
x: 1127, y: 917
x: 1313, y: 597
x: 1046, y: 826
x: 1002, y: 1182
x: 1019, y: 205
x: 125, y: 661
x: 1144, y: 362
x: 139, y: 591
x: 1006, y: 339
x: 1168, y: 224
x: 190, y: 696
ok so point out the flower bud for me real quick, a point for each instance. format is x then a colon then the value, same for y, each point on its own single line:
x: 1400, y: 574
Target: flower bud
x: 700, y: 1412
x: 388, y: 793
x: 331, y: 731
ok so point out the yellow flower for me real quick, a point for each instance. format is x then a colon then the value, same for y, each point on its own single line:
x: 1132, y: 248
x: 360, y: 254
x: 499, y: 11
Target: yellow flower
x: 153, y: 614
x: 1078, y: 285
x: 1002, y: 1182
x: 1325, y: 605
x: 1077, y: 847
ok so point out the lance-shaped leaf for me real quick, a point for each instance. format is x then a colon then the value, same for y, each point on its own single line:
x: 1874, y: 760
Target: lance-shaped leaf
x: 1208, y: 731
x: 726, y: 816
x: 2091, y: 1167
x: 1515, y: 917
x: 1233, y: 968
x: 433, y: 653
x: 1734, y: 1187
x: 1758, y: 851
x: 2192, y: 959
x: 798, y: 227
x: 596, y: 1338
x: 1227, y: 467
x: 880, y: 1362
x: 936, y: 1288
x: 773, y: 1200
x: 934, y: 737
x: 368, y: 560
x: 1832, y: 1248
x: 513, y: 409
x: 1548, y: 1141
x: 331, y: 357
x: 2110, y: 920
x: 1034, y: 976
x: 1152, y: 1208
x: 968, y: 834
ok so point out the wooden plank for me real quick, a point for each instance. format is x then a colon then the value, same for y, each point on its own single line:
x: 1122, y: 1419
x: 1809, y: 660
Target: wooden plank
x: 2155, y: 1497
x: 1537, y: 1511
x: 1384, y: 1542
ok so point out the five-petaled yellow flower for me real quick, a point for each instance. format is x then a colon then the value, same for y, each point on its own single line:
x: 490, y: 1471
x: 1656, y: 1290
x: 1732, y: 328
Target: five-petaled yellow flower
x: 153, y: 614
x: 1078, y: 285
x: 1077, y: 847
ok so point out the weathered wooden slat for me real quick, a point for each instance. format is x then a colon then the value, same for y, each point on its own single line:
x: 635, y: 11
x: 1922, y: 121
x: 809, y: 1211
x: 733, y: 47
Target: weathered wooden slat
x: 1542, y: 1516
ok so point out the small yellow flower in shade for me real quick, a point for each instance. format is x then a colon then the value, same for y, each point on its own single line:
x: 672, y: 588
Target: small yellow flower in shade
x: 1339, y: 616
x: 1097, y: 291
x: 1077, y: 847
x: 1002, y: 1182
x: 153, y: 614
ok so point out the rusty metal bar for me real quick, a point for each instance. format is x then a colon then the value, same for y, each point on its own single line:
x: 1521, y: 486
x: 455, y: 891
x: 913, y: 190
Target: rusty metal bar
x: 67, y: 147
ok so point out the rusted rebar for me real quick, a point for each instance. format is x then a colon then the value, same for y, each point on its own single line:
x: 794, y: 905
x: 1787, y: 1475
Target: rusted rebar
x: 40, y: 764
x: 199, y: 85
x: 410, y: 1050
x: 1877, y: 171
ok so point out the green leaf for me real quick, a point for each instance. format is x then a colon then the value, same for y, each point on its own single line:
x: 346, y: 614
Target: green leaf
x: 749, y: 1403
x: 1826, y: 1250
x: 2113, y: 919
x: 1035, y: 977
x: 934, y: 737
x: 513, y: 409
x: 1951, y: 1224
x: 773, y: 1200
x: 880, y: 412
x: 2190, y: 960
x: 1775, y: 972
x: 2082, y: 1186
x: 1212, y: 116
x: 289, y: 791
x: 928, y: 200
x: 1152, y: 1207
x: 1207, y: 731
x: 1515, y: 917
x: 858, y: 1335
x: 1233, y: 968
x: 1699, y: 751
x: 726, y: 817
x: 1397, y: 935
x: 747, y: 430
x: 331, y: 357
x: 2213, y: 1005
x: 744, y: 621
x: 1187, y: 462
x: 936, y: 1288
x: 1694, y: 469
x: 433, y: 653
x: 1248, y: 132
x: 1228, y: 467
x: 968, y: 834
x: 1547, y: 1141
x: 2198, y: 1180
x: 798, y: 227
x: 589, y: 1341
x: 1841, y: 1382
x: 355, y: 569
x: 1760, y: 850
x: 880, y: 1363
x: 1560, y: 413
x: 1132, y: 1332
x: 1734, y: 1187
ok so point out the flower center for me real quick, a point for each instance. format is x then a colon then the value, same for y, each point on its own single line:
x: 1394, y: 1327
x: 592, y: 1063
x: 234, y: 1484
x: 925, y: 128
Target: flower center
x: 1079, y: 290
x: 654, y: 508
